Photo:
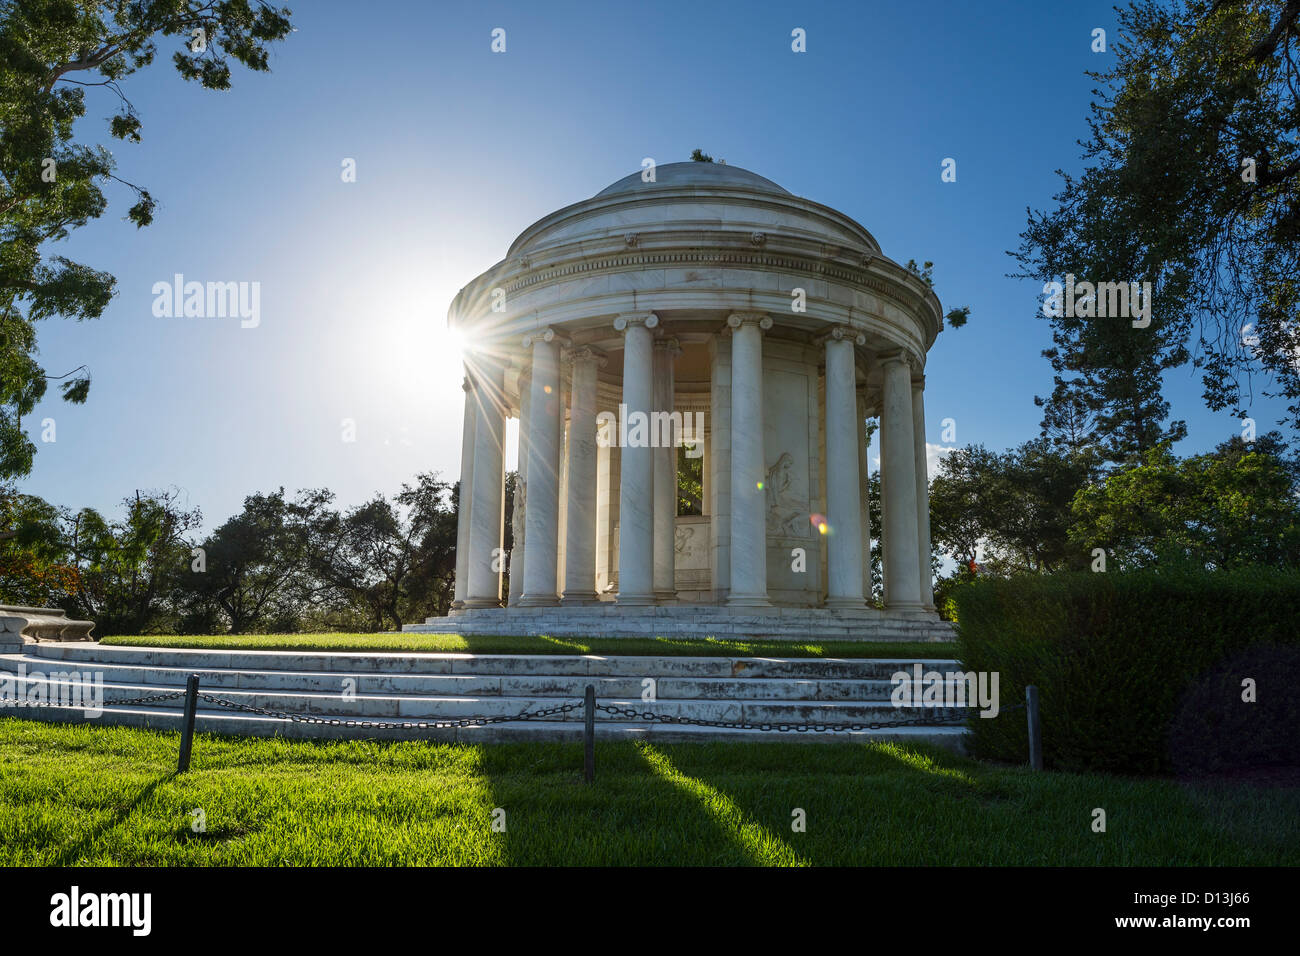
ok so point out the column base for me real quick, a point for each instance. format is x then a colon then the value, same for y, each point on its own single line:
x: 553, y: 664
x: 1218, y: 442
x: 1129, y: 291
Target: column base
x: 636, y: 600
x: 579, y: 598
x: 542, y: 600
x: 912, y: 610
x: 472, y: 603
x: 845, y: 602
x: 665, y: 597
x: 748, y: 600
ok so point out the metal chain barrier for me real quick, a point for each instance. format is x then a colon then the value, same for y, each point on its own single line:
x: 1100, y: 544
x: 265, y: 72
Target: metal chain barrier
x: 785, y: 727
x: 560, y: 709
x: 545, y: 713
x: 588, y: 705
x: 392, y: 724
x: 151, y: 699
x: 156, y: 698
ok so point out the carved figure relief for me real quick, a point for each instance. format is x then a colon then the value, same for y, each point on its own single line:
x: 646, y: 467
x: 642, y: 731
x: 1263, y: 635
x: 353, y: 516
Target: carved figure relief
x: 786, y: 515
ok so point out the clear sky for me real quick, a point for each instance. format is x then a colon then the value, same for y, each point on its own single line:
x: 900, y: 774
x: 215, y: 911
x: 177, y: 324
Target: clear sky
x: 458, y: 149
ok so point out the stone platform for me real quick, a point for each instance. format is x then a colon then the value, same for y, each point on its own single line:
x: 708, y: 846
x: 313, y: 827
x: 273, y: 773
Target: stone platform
x: 608, y: 619
x: 413, y: 687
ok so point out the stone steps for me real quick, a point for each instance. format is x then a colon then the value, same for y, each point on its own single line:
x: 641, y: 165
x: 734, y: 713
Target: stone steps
x: 414, y: 687
x: 485, y: 685
x: 413, y: 663
x: 680, y: 620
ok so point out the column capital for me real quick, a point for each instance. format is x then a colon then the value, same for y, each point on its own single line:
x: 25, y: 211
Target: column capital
x: 841, y: 333
x: 918, y: 381
x: 897, y: 356
x: 466, y: 385
x: 669, y: 343
x: 761, y: 319
x: 628, y: 320
x: 585, y: 353
x: 545, y: 334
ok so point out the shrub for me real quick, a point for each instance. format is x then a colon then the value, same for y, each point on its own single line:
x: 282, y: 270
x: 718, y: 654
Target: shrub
x: 1138, y: 672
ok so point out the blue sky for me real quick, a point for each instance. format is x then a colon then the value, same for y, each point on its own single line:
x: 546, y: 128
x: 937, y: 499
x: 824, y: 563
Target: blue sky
x: 458, y: 149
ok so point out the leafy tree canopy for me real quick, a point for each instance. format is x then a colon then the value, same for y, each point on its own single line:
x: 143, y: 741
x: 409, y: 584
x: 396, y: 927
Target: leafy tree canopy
x: 1192, y: 183
x: 51, y: 53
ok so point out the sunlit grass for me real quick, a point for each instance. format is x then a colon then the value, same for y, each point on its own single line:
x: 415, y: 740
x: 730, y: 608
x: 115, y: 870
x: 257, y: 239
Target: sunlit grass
x: 455, y: 643
x: 109, y: 796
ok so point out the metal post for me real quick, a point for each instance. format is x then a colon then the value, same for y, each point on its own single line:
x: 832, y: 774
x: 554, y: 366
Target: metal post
x: 589, y: 733
x: 1035, y: 728
x: 187, y: 724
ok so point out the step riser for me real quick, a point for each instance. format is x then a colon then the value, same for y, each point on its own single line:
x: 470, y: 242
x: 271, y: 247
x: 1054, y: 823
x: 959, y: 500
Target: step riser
x: 491, y: 665
x: 667, y: 688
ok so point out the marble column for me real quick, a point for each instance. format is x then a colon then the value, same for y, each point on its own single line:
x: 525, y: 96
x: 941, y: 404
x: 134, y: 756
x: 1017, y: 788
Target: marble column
x: 542, y: 506
x: 517, y: 522
x: 665, y: 471
x: 922, y: 494
x: 580, y: 523
x: 864, y: 477
x: 486, y: 558
x: 717, y: 458
x: 469, y: 418
x: 843, y: 461
x: 748, y: 463
x: 898, y: 474
x: 636, y: 472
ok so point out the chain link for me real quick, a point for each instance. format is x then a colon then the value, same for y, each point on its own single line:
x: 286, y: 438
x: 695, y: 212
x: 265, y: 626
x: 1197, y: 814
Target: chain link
x: 154, y: 698
x: 393, y: 724
x: 781, y: 727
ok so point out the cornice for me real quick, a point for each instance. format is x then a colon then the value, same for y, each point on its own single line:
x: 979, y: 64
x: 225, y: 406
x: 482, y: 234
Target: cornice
x: 579, y: 261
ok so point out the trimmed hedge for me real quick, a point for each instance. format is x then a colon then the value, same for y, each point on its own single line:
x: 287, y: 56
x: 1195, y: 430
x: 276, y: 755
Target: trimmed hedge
x: 1140, y: 671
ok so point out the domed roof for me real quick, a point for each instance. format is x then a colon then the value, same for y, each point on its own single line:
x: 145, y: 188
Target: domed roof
x: 694, y: 174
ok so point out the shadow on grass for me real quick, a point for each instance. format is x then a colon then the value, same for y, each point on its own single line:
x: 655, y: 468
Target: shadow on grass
x: 71, y: 854
x: 718, y: 804
x: 638, y: 812
x: 858, y: 803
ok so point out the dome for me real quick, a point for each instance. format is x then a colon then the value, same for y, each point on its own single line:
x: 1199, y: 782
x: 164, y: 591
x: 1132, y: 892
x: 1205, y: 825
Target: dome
x: 701, y: 242
x: 695, y: 174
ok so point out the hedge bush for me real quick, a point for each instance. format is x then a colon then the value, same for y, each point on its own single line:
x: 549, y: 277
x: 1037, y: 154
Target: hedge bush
x: 1140, y: 671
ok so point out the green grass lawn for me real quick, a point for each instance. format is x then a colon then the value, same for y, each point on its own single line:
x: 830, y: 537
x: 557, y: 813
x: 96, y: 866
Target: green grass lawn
x: 444, y: 643
x: 109, y: 796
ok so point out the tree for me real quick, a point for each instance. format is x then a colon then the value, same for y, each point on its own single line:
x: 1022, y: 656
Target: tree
x: 1231, y: 507
x: 1014, y: 506
x: 36, y: 568
x: 126, y: 569
x: 255, y: 573
x: 690, y: 483
x: 50, y: 184
x: 396, y: 559
x: 1193, y: 185
x: 119, y: 573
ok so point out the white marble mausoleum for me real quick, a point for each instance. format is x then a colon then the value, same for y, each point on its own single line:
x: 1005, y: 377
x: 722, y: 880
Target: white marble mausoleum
x: 704, y: 324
